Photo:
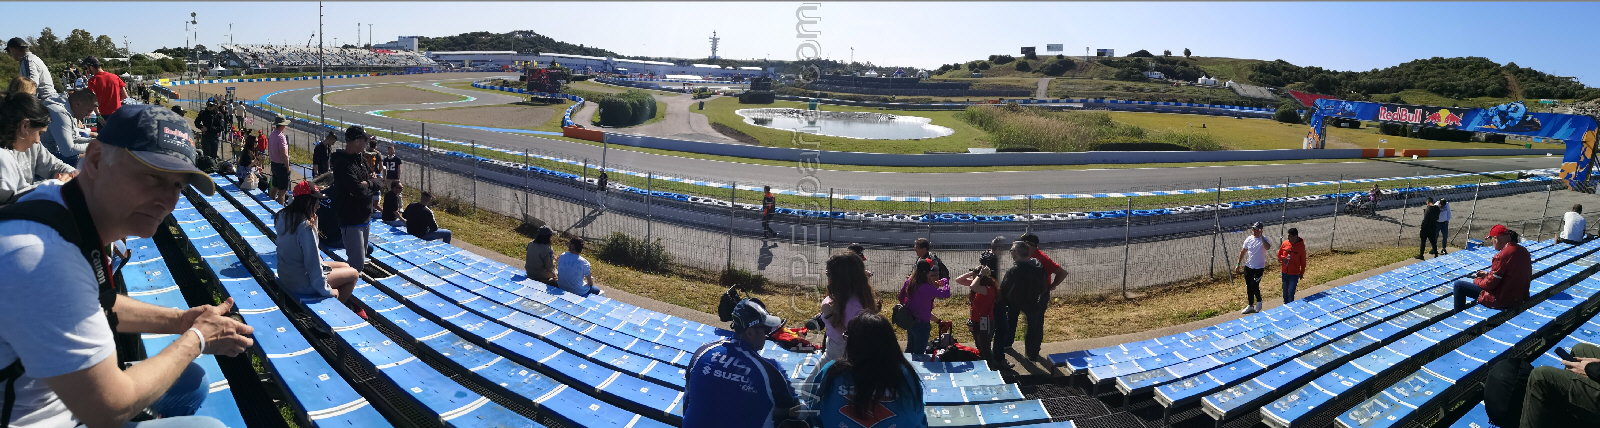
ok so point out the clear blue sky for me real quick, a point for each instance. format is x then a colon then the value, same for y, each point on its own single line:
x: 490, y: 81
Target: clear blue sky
x: 1553, y: 37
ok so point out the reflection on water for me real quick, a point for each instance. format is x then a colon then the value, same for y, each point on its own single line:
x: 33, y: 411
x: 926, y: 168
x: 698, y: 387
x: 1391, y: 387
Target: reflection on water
x: 863, y: 125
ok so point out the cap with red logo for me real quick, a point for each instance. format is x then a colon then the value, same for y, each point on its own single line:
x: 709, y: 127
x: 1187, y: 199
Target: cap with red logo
x: 305, y: 188
x: 158, y: 138
x: 1497, y: 230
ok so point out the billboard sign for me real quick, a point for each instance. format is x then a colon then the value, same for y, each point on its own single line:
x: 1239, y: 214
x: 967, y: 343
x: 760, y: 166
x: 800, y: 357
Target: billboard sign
x: 1054, y: 47
x: 1105, y: 52
x: 1029, y: 50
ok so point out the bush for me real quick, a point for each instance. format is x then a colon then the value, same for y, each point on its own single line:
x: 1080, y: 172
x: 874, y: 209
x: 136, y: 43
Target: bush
x: 626, y: 250
x: 1141, y: 54
x: 983, y: 65
x: 1130, y: 75
x: 1286, y: 115
x: 1012, y: 126
x: 1058, y: 67
x: 626, y: 109
x: 1001, y: 59
x: 747, y: 280
x: 1023, y: 66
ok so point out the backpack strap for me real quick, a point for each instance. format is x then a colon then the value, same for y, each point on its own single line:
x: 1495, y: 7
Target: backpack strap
x: 10, y: 375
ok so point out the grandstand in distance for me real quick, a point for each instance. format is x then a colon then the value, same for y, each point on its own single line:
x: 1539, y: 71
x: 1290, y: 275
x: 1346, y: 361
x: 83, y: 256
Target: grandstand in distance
x: 275, y: 58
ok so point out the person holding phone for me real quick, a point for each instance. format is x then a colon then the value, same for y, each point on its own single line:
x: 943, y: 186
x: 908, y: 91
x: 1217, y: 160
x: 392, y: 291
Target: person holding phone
x: 1565, y: 396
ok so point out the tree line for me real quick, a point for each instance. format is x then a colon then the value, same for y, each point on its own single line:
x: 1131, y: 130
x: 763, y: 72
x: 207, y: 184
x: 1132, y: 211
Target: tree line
x: 1461, y: 77
x: 60, y: 54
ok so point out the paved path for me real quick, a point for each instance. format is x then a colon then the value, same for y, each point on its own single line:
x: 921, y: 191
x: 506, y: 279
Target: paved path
x: 1043, y: 92
x: 681, y: 122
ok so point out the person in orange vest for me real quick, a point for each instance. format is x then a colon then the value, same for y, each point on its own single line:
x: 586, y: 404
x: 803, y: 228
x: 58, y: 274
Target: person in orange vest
x: 1292, y: 258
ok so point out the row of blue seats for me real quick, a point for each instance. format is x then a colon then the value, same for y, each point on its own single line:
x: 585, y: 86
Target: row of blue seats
x: 1588, y: 333
x: 987, y: 413
x: 148, y: 280
x: 1425, y: 391
x: 1335, y: 387
x: 360, y: 341
x: 1271, y: 384
x: 520, y: 376
x: 319, y: 395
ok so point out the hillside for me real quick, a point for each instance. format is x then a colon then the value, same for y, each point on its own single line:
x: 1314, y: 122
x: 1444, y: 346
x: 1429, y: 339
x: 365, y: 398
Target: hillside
x: 520, y: 41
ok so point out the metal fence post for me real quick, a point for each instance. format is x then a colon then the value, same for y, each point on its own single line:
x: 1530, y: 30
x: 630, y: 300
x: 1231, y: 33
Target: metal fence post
x: 930, y: 214
x: 1405, y: 203
x: 474, y: 176
x: 1546, y: 211
x: 527, y: 185
x: 649, y: 205
x: 1217, y: 211
x: 1029, y: 218
x: 1338, y: 193
x: 1283, y: 219
x: 1472, y: 215
x: 1127, y: 232
x: 830, y: 222
x: 733, y: 189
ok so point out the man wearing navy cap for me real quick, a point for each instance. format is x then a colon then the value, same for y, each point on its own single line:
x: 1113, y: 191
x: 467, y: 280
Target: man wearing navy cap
x: 58, y: 307
x: 729, y: 384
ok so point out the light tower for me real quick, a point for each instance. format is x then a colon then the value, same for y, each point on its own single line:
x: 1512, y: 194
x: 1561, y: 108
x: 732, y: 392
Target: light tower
x: 714, y: 40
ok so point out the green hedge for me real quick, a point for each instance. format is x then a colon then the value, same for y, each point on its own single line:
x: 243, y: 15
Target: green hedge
x: 626, y: 109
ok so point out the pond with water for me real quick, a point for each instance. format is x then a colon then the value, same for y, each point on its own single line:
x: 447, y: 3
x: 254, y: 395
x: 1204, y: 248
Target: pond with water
x: 848, y: 124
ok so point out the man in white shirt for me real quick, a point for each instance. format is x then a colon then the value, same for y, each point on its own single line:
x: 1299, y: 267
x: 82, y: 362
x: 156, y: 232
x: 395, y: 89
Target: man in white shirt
x: 1444, y: 225
x: 572, y: 271
x: 1253, y: 263
x: 1574, y: 226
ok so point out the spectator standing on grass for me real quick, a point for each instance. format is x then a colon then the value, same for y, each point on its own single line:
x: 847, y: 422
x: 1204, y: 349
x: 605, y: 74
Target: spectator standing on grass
x: 1428, y: 230
x: 24, y: 163
x: 301, y: 270
x: 210, y: 124
x: 107, y: 87
x: 860, y: 251
x: 1292, y: 262
x: 420, y: 221
x: 278, y: 154
x: 540, y: 264
x: 982, y: 288
x: 321, y: 154
x: 353, y: 191
x: 1253, y: 263
x: 574, y: 274
x: 769, y: 206
x: 729, y: 384
x: 917, y: 294
x: 1505, y: 284
x: 1444, y: 225
x: 1053, y: 275
x: 991, y: 257
x: 1019, y: 293
x: 391, y: 205
x: 31, y: 67
x: 1574, y: 226
x: 1566, y: 396
x: 872, y: 385
x: 849, y: 295
x: 922, y: 247
x: 66, y: 115
x: 55, y: 330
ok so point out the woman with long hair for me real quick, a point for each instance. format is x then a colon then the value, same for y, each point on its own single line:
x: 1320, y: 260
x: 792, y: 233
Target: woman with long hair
x: 301, y: 270
x: 849, y: 295
x: 873, y: 385
x: 22, y: 121
x: 917, y: 294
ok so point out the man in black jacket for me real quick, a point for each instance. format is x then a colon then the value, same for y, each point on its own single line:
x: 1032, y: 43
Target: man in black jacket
x: 1566, y: 396
x: 353, y: 189
x: 1019, y: 292
x: 1428, y: 230
x: 321, y: 155
x: 210, y: 122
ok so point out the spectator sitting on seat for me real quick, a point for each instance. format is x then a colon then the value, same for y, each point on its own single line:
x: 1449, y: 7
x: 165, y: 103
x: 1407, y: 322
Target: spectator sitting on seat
x: 873, y: 385
x: 420, y: 222
x: 24, y: 163
x: 917, y: 293
x: 56, y: 332
x: 541, y: 259
x: 391, y: 206
x: 729, y: 384
x: 1574, y: 227
x: 66, y: 113
x: 1505, y: 284
x: 301, y: 270
x: 849, y: 295
x: 1566, y: 396
x: 573, y: 270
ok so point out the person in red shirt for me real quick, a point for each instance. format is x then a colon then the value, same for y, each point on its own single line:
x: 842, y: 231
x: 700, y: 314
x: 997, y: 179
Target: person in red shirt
x: 980, y: 319
x: 1292, y: 258
x: 1505, y: 284
x: 107, y: 87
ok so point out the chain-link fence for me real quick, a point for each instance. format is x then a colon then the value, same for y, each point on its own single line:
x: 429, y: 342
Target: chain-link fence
x: 1169, y: 239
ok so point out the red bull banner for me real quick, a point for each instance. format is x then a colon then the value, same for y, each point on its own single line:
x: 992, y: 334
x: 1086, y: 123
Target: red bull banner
x: 1513, y: 118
